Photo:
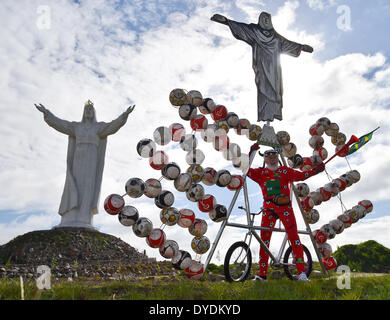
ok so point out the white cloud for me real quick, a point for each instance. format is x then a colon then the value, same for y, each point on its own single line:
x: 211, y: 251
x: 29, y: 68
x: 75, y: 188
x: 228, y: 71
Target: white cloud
x: 60, y: 67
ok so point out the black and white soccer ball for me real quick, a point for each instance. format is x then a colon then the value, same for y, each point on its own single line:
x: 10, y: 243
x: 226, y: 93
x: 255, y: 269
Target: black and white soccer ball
x: 183, y: 182
x: 135, y: 187
x: 188, y: 142
x: 164, y: 200
x: 171, y: 171
x: 207, y: 106
x: 223, y: 178
x: 142, y: 227
x: 128, y: 216
x: 182, y: 260
x: 195, y: 192
x: 146, y: 148
x: 187, y: 111
x: 152, y: 188
x: 219, y: 213
x: 169, y: 249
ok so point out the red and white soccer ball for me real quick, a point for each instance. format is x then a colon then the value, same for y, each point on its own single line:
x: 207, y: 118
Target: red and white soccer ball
x: 307, y: 204
x: 207, y: 203
x: 219, y: 113
x: 236, y: 183
x: 321, y: 152
x: 319, y: 236
x: 307, y: 164
x: 195, y: 270
x: 366, y: 204
x: 187, y: 218
x: 169, y: 249
x: 156, y: 238
x: 333, y: 188
x: 325, y: 193
x: 325, y: 250
x: 158, y: 160
x: 199, y: 122
x: 177, y: 131
x: 113, y: 204
x: 316, y: 129
x: 330, y: 263
x: 345, y: 219
x: 341, y: 184
x: 316, y: 142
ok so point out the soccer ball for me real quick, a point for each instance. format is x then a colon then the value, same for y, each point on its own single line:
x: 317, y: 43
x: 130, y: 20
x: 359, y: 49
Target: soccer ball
x: 354, y: 175
x: 223, y: 178
x: 169, y: 249
x: 325, y: 193
x: 231, y: 152
x: 187, y: 111
x: 183, y: 182
x: 241, y: 162
x: 156, y: 238
x: 207, y: 203
x: 307, y: 164
x: 316, y: 142
x: 303, y: 190
x: 200, y: 244
x: 313, y: 216
x: 316, y: 129
x: 171, y: 171
x: 321, y: 152
x: 347, y: 179
x: 307, y: 204
x: 232, y: 119
x: 198, y: 228
x: 146, y: 148
x: 319, y: 236
x: 289, y: 149
x: 195, y: 193
x: 219, y: 113
x: 341, y: 184
x: 188, y: 142
x: 177, y: 97
x: 135, y: 187
x: 337, y: 225
x: 339, y: 139
x: 333, y: 130
x: 164, y: 200
x: 218, y: 214
x: 142, y: 227
x: 345, y: 219
x: 316, y: 197
x: 295, y: 161
x: 236, y: 183
x: 353, y: 214
x: 182, y: 260
x: 196, y: 172
x: 329, y: 263
x: 195, y: 156
x: 221, y: 140
x: 328, y: 231
x: 207, y: 106
x: 162, y: 135
x: 187, y: 218
x: 195, y: 98
x: 325, y: 250
x: 208, y: 134
x: 254, y: 132
x: 209, y: 177
x: 177, y: 131
x: 169, y: 216
x: 113, y: 204
x: 195, y: 270
x: 360, y: 211
x: 223, y: 125
x: 199, y: 122
x: 243, y: 126
x: 152, y: 188
x: 325, y: 122
x: 333, y: 188
x: 366, y: 204
x: 283, y: 137
x: 316, y: 160
x: 128, y: 216
x: 158, y: 160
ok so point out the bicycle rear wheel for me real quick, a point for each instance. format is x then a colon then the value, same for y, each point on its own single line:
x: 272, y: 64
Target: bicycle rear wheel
x: 289, y: 263
x: 238, y: 262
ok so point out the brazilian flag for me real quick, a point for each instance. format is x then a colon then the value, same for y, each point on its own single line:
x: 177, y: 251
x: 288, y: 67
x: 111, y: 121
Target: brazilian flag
x: 362, y: 141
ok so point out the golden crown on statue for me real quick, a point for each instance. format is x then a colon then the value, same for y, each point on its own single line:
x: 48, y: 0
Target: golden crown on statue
x: 88, y: 103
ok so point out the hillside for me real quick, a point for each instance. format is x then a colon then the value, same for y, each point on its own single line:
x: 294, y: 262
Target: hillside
x: 369, y: 256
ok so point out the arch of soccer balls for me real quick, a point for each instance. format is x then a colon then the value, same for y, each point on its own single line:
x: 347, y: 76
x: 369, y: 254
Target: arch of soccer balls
x: 188, y: 104
x: 310, y: 199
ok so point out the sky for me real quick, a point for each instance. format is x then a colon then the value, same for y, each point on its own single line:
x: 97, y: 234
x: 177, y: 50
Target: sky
x: 119, y: 53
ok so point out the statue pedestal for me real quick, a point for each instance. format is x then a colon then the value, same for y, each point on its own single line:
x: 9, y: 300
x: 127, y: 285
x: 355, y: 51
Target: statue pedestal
x: 75, y: 219
x: 268, y: 137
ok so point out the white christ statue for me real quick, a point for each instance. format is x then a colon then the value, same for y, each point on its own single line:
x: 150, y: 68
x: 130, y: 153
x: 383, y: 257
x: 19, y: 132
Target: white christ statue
x: 267, y: 45
x: 85, y: 162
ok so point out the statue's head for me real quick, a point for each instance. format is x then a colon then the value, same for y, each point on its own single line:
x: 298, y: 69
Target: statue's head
x: 265, y: 21
x: 89, y: 112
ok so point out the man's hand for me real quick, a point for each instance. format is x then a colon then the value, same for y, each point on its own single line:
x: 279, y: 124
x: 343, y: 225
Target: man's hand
x: 319, y: 168
x: 307, y: 48
x: 219, y: 18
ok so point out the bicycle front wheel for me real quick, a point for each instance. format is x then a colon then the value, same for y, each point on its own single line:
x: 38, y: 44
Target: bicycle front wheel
x: 289, y: 263
x: 238, y: 262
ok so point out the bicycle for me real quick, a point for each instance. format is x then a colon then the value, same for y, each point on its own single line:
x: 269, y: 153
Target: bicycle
x: 238, y: 259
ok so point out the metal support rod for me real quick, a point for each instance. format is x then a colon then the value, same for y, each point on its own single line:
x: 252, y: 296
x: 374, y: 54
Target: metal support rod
x: 245, y: 226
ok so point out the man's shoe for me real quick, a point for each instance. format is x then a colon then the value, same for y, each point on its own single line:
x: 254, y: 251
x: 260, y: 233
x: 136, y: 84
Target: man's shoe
x: 257, y: 278
x: 303, y: 277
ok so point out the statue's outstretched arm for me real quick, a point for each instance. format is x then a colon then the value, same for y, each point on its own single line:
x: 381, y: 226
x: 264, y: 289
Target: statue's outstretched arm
x: 219, y: 18
x: 60, y: 125
x: 113, y: 126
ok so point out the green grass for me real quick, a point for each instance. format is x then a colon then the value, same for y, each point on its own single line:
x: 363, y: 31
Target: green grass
x: 318, y: 289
